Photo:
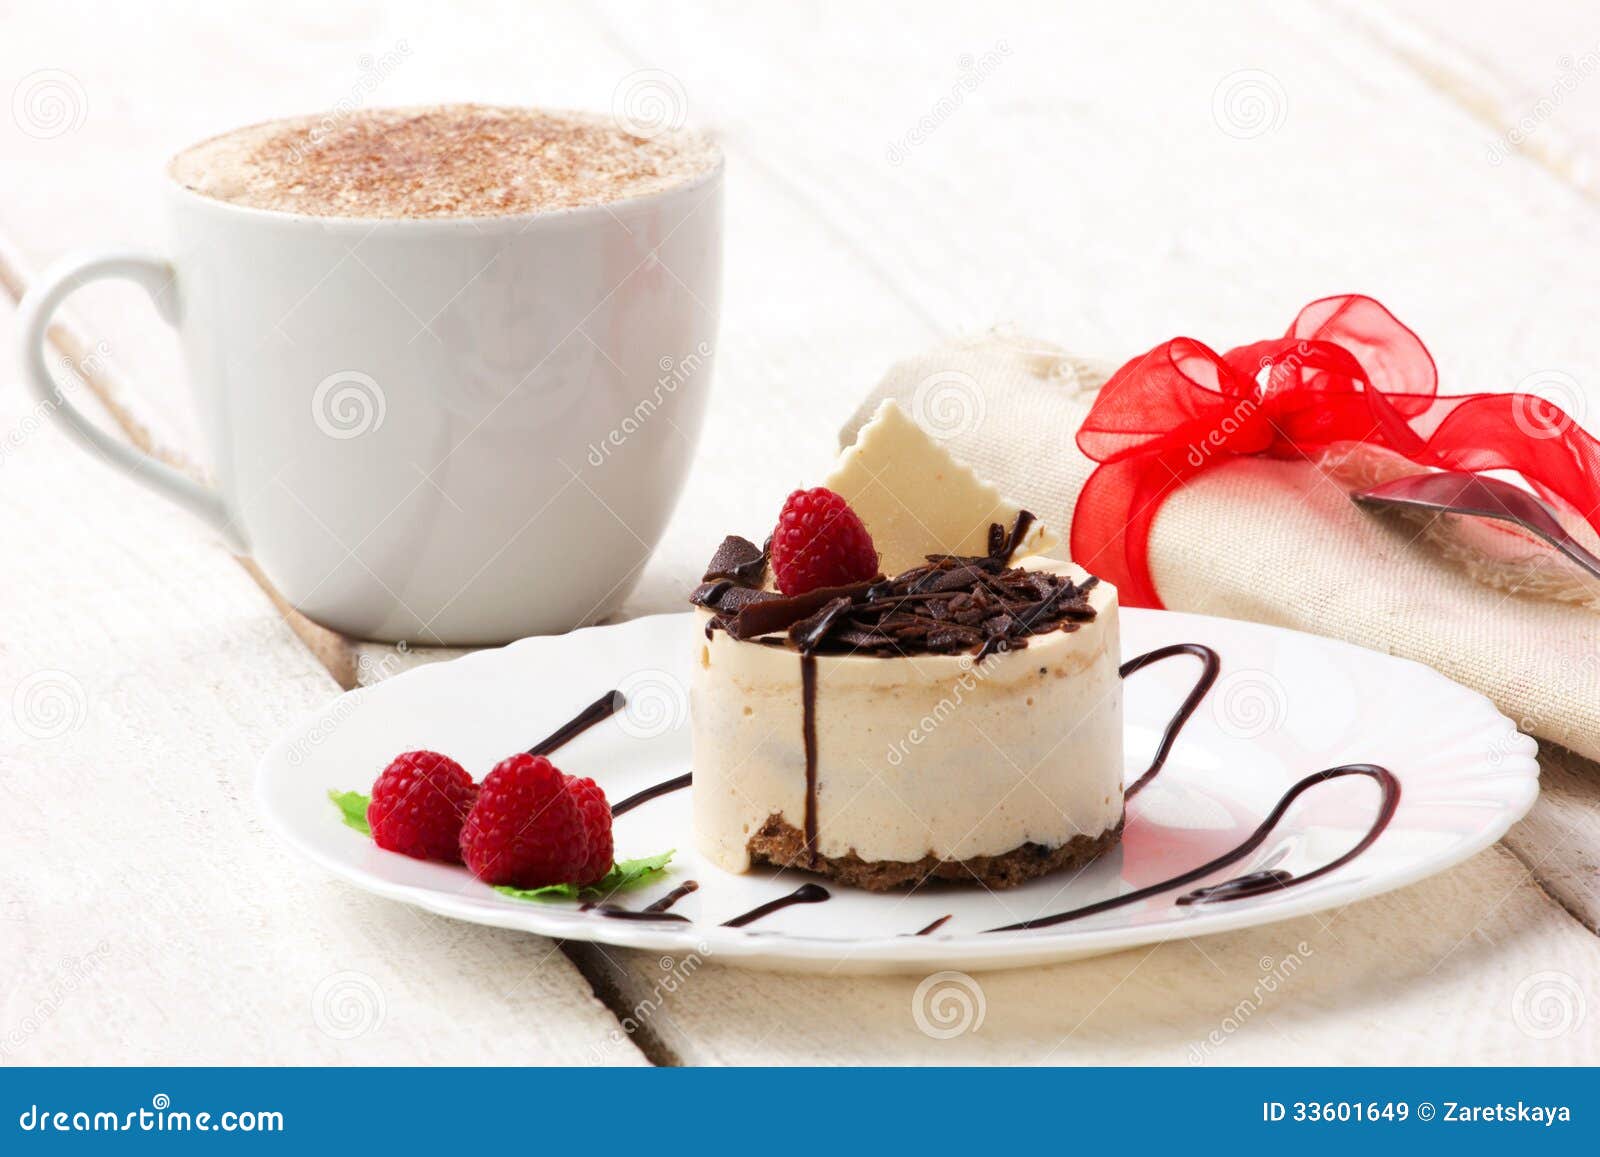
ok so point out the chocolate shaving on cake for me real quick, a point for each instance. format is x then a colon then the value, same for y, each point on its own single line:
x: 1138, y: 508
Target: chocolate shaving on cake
x: 953, y: 604
x: 1004, y: 546
x: 779, y: 612
x: 739, y: 560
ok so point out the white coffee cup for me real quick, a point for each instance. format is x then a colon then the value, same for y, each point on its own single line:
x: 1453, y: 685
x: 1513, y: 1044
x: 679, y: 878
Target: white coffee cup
x: 460, y: 430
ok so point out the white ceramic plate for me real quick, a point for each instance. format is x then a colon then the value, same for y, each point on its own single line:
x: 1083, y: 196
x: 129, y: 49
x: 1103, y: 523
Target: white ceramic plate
x: 1286, y: 705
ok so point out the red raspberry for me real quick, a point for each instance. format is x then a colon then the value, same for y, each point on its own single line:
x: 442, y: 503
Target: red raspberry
x: 597, y: 827
x: 526, y: 829
x: 820, y: 542
x: 418, y: 805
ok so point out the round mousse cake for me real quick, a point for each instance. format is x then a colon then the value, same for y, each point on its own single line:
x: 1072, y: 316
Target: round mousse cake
x: 959, y: 719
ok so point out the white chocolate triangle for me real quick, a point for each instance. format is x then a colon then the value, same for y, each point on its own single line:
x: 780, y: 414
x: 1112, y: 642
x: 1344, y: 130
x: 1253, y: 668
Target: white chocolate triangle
x: 916, y: 499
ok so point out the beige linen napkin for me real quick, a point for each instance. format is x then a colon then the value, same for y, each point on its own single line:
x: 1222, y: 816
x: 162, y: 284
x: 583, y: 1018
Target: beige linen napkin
x: 1280, y: 542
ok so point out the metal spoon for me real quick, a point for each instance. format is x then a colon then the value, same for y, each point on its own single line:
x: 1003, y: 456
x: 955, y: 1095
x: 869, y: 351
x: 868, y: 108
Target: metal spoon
x: 1455, y: 492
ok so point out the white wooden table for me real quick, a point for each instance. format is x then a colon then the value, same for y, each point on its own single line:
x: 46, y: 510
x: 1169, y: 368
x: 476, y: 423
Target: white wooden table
x: 1094, y: 183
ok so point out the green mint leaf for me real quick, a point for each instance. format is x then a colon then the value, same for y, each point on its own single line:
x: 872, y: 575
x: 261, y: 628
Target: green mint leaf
x: 624, y: 874
x: 627, y: 873
x: 548, y: 892
x: 352, y: 807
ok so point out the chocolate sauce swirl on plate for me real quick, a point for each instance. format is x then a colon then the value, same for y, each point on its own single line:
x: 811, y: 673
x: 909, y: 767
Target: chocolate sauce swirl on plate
x: 666, y: 786
x: 1257, y: 882
x: 1211, y: 664
x: 829, y: 619
x: 655, y: 911
x: 804, y: 894
x: 602, y: 708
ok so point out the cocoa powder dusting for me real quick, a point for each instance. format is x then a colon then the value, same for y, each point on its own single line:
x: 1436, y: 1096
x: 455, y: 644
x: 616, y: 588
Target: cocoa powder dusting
x: 443, y: 161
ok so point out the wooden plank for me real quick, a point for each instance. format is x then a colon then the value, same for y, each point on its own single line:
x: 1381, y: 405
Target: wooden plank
x: 1559, y: 841
x: 1464, y: 967
x: 148, y: 918
x: 1532, y: 83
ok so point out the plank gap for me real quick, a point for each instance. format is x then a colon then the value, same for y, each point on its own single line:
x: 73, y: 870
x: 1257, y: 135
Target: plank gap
x: 589, y: 960
x: 1557, y: 840
x: 330, y: 648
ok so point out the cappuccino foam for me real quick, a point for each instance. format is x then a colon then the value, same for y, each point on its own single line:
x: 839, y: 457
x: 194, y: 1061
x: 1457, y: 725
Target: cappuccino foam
x: 440, y: 161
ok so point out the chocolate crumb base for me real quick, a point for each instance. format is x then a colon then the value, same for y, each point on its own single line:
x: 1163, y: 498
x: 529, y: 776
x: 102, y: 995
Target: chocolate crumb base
x: 782, y: 845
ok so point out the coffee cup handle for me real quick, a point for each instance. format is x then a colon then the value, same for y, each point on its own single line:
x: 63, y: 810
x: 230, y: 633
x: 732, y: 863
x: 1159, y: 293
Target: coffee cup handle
x: 158, y: 279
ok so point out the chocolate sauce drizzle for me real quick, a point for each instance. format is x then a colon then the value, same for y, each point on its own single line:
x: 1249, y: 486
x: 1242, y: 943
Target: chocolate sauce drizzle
x: 736, y: 558
x: 602, y: 708
x: 618, y: 912
x: 1256, y: 882
x: 674, y: 896
x: 607, y: 705
x: 1208, y: 675
x: 808, y: 731
x: 666, y: 786
x: 656, y: 911
x: 804, y: 894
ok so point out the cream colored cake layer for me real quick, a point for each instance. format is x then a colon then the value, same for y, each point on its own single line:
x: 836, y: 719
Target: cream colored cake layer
x: 934, y: 754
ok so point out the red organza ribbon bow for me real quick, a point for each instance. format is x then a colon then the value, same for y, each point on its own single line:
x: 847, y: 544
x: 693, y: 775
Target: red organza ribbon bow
x: 1347, y: 371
